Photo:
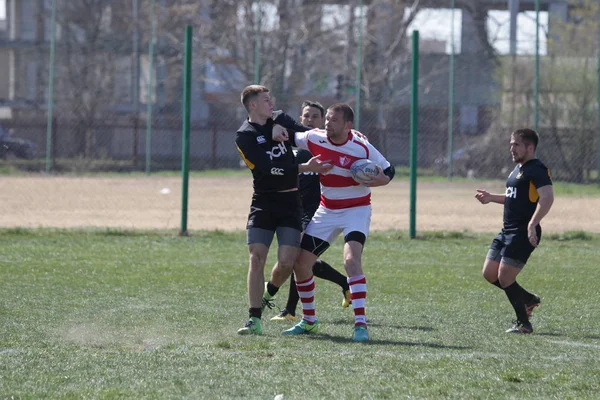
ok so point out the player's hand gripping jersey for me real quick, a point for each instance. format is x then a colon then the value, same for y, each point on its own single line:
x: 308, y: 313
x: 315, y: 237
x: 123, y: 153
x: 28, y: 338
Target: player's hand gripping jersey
x: 338, y: 188
x: 272, y: 163
x: 521, y: 196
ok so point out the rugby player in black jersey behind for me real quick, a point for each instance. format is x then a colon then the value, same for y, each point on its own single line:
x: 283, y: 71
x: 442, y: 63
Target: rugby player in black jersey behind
x: 527, y: 200
x: 313, y: 116
x: 276, y: 207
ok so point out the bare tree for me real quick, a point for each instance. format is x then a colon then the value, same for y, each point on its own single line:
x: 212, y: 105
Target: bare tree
x: 85, y: 67
x: 574, y: 74
x: 567, y: 98
x: 286, y: 34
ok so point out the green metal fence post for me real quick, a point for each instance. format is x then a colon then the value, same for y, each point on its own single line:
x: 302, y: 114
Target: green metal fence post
x: 598, y: 106
x: 358, y: 68
x: 451, y: 99
x: 536, y: 78
x: 49, y: 147
x: 257, y: 39
x: 185, y: 151
x: 414, y: 117
x: 150, y: 90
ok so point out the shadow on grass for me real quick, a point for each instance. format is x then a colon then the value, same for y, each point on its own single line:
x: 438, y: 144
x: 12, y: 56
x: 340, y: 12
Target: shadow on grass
x: 565, y: 335
x: 404, y: 327
x: 387, y: 342
x: 551, y: 334
x: 376, y: 324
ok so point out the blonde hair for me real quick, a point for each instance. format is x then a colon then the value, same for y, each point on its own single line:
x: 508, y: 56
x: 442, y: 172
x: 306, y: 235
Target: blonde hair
x: 250, y: 92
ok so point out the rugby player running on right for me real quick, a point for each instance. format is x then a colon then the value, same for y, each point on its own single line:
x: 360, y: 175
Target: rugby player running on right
x: 527, y: 200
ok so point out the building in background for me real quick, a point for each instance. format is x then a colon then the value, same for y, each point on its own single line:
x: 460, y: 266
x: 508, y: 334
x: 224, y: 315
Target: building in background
x: 102, y: 71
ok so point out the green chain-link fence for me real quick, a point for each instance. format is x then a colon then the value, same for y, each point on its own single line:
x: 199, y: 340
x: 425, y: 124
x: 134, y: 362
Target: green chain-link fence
x: 116, y: 94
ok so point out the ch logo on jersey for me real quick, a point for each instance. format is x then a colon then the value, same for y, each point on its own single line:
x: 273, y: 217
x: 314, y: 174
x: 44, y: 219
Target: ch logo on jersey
x: 277, y: 151
x: 261, y: 139
x: 511, y: 192
x: 344, y: 161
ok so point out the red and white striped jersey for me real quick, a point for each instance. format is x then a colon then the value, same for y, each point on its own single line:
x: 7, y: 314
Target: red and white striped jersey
x: 338, y: 189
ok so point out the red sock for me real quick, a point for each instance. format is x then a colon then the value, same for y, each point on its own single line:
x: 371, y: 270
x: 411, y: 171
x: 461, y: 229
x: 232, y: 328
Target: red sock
x: 306, y: 291
x: 358, y: 291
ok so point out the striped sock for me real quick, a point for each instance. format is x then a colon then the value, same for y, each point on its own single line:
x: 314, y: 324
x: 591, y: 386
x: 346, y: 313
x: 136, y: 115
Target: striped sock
x: 306, y: 291
x: 358, y: 290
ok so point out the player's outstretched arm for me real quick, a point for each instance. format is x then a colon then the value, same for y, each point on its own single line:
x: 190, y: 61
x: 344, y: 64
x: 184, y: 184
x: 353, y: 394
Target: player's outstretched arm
x: 315, y: 164
x: 485, y: 197
x: 281, y: 118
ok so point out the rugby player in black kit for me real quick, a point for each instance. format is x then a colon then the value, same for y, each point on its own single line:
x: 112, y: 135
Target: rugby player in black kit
x: 276, y: 206
x: 527, y: 199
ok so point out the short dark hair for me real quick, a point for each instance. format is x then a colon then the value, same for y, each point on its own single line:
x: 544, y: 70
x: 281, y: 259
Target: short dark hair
x: 528, y: 136
x: 347, y: 111
x: 250, y: 92
x: 315, y: 104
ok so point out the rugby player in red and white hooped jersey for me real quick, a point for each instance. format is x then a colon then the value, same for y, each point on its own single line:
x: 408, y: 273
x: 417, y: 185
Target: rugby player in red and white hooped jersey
x: 345, y: 208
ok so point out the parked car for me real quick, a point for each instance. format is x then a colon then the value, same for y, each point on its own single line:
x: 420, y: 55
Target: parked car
x: 15, y: 147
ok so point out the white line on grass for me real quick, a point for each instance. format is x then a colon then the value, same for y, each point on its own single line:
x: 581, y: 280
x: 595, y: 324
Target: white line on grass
x: 577, y: 344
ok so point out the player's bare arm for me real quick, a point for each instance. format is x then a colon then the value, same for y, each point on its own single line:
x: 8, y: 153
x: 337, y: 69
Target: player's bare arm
x: 381, y: 179
x: 545, y: 202
x: 315, y: 164
x: 485, y: 197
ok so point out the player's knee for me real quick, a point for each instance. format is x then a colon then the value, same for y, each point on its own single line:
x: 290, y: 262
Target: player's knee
x: 257, y: 261
x: 303, y: 266
x: 285, y: 266
x: 489, y: 276
x: 505, y: 281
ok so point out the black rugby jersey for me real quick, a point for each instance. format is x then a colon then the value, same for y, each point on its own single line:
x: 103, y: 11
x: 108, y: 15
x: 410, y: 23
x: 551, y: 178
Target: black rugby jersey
x: 309, y: 183
x: 521, y: 196
x: 272, y: 163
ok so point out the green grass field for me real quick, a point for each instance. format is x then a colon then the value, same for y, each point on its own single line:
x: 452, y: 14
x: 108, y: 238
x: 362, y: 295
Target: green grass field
x: 118, y: 314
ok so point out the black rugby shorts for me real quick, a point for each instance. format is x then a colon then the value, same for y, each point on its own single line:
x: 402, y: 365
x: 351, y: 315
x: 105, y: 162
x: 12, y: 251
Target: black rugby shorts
x: 515, y: 245
x: 272, y: 210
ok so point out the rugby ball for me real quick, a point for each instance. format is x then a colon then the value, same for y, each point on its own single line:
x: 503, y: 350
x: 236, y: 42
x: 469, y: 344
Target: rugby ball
x: 363, y: 170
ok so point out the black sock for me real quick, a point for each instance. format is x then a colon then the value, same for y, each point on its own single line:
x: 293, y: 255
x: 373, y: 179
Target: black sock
x: 514, y: 292
x: 293, y: 297
x: 527, y: 297
x: 272, y: 289
x: 325, y: 271
x: 255, y: 312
